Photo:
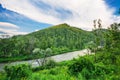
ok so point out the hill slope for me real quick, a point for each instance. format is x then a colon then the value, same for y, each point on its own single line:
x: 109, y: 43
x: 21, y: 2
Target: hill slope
x: 60, y: 38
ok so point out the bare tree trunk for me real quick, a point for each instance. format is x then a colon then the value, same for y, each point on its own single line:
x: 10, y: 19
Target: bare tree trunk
x: 37, y: 60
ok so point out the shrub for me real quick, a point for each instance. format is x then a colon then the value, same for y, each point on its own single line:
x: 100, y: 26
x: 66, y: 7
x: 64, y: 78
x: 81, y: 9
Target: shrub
x: 53, y: 71
x: 50, y: 64
x: 106, y: 58
x: 86, y: 74
x: 18, y: 72
x: 78, y: 65
x: 37, y: 68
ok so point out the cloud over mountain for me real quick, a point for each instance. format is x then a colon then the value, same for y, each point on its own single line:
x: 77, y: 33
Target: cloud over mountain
x: 78, y: 13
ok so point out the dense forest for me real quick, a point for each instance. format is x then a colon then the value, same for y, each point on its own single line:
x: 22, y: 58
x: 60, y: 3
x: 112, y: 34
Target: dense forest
x: 60, y: 38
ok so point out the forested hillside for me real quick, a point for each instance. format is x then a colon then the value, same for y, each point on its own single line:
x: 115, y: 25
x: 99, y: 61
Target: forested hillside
x: 60, y: 38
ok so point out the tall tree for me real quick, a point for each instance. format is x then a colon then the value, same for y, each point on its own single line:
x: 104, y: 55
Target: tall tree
x: 113, y: 36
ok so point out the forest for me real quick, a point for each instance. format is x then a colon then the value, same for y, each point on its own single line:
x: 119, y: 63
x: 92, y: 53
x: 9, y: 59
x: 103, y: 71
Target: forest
x: 60, y: 38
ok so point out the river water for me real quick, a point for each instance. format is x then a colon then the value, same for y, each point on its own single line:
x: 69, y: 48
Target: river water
x: 57, y: 58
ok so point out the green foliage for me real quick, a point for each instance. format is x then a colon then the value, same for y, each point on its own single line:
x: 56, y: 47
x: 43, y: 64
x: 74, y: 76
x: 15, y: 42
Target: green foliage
x: 49, y: 51
x: 113, y: 37
x: 57, y: 73
x: 60, y: 38
x: 100, y: 70
x: 36, y: 51
x: 50, y: 64
x: 78, y: 65
x: 2, y: 76
x: 18, y: 72
x: 106, y: 58
x: 104, y: 65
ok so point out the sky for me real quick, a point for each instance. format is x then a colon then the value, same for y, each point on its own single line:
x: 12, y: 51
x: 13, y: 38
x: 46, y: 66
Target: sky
x: 25, y: 16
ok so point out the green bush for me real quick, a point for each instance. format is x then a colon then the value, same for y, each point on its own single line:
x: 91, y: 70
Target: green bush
x: 18, y: 72
x: 78, y: 65
x: 106, y: 58
x: 86, y: 73
x: 53, y: 71
x: 2, y: 76
x: 50, y: 64
x: 37, y: 68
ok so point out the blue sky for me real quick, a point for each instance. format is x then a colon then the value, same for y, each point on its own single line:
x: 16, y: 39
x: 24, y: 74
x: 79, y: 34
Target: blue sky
x: 114, y: 4
x: 25, y: 16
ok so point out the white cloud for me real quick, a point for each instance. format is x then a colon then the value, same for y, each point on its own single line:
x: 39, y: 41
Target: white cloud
x: 37, y: 30
x: 83, y: 11
x: 10, y: 29
x: 8, y: 25
x: 116, y: 19
x: 12, y: 32
x: 26, y: 8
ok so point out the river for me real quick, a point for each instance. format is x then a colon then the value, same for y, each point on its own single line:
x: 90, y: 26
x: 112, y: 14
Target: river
x: 57, y: 58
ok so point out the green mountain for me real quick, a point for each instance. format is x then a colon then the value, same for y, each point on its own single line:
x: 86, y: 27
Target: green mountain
x: 60, y: 38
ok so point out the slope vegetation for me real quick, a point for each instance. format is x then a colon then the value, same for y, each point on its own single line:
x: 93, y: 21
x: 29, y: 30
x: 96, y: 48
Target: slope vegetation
x: 60, y: 38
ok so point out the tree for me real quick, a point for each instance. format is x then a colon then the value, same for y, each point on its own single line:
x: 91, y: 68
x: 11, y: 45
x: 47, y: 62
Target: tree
x: 45, y: 54
x: 35, y: 52
x: 7, y: 48
x: 98, y: 32
x: 90, y: 46
x: 113, y: 36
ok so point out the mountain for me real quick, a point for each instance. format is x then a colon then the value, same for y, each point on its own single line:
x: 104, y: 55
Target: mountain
x: 26, y: 24
x: 60, y: 38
